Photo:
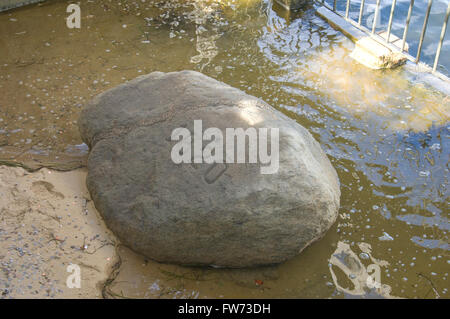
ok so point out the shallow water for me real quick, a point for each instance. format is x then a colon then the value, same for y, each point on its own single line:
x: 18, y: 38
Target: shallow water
x: 386, y: 133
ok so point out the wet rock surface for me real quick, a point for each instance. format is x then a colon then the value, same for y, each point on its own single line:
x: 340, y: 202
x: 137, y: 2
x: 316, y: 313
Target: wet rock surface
x: 181, y: 213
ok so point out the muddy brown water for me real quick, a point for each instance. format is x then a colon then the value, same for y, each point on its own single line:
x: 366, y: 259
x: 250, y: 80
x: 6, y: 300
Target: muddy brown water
x: 386, y: 132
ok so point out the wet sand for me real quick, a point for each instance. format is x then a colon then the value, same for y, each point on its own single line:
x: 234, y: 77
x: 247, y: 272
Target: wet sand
x: 48, y: 222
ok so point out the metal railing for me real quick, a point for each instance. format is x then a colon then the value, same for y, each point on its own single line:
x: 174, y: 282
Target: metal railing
x: 371, y: 32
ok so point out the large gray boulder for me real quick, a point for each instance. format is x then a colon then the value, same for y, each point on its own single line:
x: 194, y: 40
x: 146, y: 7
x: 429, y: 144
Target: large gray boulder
x: 226, y: 215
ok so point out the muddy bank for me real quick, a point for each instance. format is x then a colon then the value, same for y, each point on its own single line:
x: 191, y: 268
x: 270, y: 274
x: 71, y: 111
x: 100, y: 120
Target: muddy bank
x: 47, y: 222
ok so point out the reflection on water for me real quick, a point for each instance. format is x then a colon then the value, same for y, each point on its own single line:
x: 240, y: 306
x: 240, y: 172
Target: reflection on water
x: 386, y: 133
x: 432, y: 34
x: 205, y: 40
x: 305, y: 62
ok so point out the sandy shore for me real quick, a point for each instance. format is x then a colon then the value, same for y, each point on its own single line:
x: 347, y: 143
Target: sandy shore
x: 47, y: 222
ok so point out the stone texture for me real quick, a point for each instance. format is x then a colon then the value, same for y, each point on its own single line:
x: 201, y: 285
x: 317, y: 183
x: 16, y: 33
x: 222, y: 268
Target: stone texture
x: 374, y: 55
x: 203, y: 214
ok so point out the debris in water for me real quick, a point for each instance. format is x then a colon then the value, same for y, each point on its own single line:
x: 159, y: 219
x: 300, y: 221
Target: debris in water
x: 424, y: 173
x: 385, y: 237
